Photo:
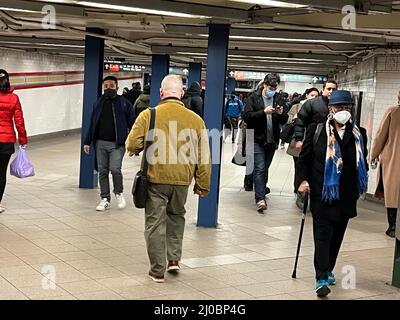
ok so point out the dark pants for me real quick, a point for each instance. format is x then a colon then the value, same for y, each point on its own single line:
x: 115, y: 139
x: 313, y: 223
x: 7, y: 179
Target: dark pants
x: 263, y: 155
x: 233, y: 121
x: 4, y: 160
x: 392, y: 217
x: 328, y: 237
x: 109, y: 158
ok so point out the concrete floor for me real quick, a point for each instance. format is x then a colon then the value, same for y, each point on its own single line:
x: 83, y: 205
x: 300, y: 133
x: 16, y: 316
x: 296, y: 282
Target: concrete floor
x: 51, y: 227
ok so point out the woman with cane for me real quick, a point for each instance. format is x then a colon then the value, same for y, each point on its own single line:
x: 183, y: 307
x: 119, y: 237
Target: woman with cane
x: 332, y: 169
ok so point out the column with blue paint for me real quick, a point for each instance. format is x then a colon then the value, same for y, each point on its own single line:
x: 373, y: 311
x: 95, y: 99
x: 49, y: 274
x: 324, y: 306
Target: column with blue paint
x: 194, y: 73
x: 159, y: 69
x: 218, y: 40
x: 92, y: 90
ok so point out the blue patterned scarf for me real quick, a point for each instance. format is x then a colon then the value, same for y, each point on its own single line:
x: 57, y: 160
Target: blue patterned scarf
x: 334, y: 165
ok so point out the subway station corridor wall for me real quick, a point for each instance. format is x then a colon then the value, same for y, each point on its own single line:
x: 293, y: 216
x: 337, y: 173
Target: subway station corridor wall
x: 379, y: 80
x: 47, y: 107
x: 50, y: 89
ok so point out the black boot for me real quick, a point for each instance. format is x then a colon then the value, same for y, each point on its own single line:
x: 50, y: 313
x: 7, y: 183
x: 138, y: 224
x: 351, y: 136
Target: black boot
x: 391, y: 216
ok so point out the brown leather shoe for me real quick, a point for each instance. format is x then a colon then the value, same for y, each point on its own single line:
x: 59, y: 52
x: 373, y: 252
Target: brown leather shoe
x: 173, y: 266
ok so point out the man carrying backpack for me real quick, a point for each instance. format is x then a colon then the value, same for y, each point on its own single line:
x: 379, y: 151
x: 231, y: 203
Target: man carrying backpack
x: 233, y: 109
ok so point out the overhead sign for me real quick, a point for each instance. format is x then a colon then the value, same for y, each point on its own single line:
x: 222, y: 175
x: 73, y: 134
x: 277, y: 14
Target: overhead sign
x: 123, y: 67
x: 249, y: 75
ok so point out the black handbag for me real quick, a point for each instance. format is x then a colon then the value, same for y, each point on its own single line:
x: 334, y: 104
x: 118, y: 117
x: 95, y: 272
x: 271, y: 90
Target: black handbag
x: 139, y: 188
x: 287, y: 132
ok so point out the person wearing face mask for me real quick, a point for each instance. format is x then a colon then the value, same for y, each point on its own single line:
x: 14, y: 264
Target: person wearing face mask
x: 178, y: 131
x: 292, y: 150
x: 10, y: 116
x: 332, y: 168
x: 263, y: 114
x: 111, y: 120
x: 386, y: 150
x: 313, y: 111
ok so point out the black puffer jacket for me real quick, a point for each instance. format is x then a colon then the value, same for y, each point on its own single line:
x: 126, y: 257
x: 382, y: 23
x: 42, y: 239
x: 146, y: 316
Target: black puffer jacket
x: 313, y: 111
x: 192, y: 99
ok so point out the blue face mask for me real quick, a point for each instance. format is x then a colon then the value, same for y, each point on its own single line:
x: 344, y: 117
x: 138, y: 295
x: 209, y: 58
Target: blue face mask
x: 270, y: 93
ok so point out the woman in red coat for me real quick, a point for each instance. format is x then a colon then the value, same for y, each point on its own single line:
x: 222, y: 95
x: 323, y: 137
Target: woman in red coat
x: 10, y: 115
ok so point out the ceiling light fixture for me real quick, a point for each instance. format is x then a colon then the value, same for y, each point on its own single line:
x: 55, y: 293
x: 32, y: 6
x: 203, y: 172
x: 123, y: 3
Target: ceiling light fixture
x: 272, y: 3
x: 140, y: 10
x: 17, y: 10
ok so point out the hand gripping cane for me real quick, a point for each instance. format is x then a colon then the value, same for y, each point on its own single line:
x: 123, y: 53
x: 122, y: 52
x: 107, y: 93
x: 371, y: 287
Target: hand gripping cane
x: 303, y: 219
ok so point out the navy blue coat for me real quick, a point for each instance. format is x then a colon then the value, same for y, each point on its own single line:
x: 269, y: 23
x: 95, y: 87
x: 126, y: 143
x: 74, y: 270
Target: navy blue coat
x: 124, y: 120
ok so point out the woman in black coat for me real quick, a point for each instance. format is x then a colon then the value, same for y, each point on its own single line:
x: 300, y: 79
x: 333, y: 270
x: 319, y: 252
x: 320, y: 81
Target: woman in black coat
x: 334, y: 172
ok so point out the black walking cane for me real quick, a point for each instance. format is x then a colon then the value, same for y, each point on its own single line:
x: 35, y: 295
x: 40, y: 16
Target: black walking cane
x: 303, y: 219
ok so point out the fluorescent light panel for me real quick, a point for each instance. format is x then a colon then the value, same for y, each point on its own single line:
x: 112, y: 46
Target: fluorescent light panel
x: 271, y: 3
x: 140, y: 10
x: 17, y: 10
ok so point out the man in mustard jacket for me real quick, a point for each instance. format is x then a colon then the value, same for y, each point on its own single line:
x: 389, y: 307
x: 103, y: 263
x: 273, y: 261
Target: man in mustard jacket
x: 180, y: 152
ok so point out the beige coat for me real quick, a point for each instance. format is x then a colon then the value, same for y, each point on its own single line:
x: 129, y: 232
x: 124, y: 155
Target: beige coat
x: 387, y: 146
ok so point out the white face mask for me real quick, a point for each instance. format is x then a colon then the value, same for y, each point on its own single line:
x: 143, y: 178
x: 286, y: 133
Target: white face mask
x: 342, y: 117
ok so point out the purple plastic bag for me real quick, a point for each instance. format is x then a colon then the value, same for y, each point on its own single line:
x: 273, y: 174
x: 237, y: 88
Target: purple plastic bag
x: 21, y: 167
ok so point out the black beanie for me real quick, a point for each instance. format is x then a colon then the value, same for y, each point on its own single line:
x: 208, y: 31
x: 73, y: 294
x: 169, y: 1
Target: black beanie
x: 4, y: 74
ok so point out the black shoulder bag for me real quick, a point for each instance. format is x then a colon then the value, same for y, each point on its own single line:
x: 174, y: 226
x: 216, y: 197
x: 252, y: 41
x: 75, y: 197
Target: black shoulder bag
x: 139, y: 188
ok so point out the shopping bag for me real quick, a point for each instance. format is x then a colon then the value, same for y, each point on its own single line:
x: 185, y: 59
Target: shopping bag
x: 21, y: 167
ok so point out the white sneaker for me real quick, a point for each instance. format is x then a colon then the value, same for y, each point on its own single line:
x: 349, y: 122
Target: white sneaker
x: 121, y: 201
x: 103, y: 205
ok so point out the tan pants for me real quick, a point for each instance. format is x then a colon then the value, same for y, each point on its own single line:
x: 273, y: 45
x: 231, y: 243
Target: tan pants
x: 164, y: 224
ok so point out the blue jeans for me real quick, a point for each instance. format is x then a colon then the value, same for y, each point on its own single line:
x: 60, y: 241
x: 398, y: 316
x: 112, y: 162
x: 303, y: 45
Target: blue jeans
x: 263, y: 155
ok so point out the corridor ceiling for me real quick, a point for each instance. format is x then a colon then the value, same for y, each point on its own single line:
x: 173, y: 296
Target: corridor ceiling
x: 308, y: 37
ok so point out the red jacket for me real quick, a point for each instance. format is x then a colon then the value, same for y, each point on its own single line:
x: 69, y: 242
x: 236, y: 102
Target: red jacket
x: 10, y: 113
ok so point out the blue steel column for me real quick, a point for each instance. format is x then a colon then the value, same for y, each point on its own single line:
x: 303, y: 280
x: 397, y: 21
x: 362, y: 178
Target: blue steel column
x: 230, y: 85
x: 92, y: 89
x: 159, y: 69
x: 194, y: 73
x: 218, y: 40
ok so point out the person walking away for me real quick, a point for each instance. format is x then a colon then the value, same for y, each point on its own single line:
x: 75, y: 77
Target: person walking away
x: 332, y: 168
x: 143, y: 102
x: 111, y: 120
x: 292, y: 150
x: 386, y: 150
x: 173, y: 164
x: 193, y: 100
x: 11, y: 116
x: 233, y: 110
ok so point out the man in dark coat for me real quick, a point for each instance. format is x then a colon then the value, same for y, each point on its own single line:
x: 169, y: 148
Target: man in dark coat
x: 111, y: 121
x: 193, y: 100
x: 263, y: 113
x: 332, y: 168
x: 313, y: 111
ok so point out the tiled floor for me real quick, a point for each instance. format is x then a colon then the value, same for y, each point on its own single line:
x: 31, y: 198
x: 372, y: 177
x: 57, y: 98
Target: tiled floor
x: 51, y: 226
